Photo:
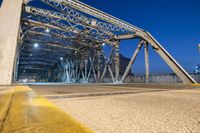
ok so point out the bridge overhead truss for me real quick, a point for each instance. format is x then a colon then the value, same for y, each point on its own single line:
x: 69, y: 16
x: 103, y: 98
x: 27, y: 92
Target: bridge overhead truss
x: 69, y: 35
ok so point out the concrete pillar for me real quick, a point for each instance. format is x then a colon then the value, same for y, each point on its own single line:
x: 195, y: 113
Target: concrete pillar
x: 10, y: 15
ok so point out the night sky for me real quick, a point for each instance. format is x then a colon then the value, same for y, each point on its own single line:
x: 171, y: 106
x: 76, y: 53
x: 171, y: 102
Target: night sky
x: 174, y: 23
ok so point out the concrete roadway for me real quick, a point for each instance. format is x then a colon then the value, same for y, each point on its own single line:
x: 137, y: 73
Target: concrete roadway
x: 129, y: 108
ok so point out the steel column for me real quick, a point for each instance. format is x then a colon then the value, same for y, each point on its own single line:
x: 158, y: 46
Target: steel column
x: 117, y: 62
x: 99, y: 67
x: 146, y: 51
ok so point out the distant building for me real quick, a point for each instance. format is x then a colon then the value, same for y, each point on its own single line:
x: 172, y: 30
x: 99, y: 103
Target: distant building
x: 123, y: 64
x: 124, y: 61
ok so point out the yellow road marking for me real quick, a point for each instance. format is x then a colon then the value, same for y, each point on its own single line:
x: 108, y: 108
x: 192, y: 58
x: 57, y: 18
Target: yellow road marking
x: 30, y: 112
x: 196, y: 85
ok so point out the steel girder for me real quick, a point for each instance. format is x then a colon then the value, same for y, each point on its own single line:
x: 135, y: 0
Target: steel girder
x: 89, y: 25
x: 173, y: 64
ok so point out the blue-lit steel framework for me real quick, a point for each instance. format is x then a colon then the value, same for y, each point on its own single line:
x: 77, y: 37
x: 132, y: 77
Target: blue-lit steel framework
x: 63, y: 42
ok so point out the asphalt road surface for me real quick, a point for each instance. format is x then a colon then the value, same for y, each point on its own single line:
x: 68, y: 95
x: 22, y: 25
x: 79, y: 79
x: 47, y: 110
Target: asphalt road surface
x: 129, y: 108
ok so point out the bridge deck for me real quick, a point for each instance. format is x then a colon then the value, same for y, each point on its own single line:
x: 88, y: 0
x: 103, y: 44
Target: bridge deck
x: 129, y: 108
x: 103, y: 108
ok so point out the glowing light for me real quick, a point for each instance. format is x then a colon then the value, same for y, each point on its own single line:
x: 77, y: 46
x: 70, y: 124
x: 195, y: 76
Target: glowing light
x: 103, y: 44
x: 25, y: 80
x: 61, y: 58
x: 36, y: 45
x: 47, y: 30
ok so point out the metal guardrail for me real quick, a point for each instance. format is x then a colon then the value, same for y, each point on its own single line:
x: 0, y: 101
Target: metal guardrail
x: 164, y: 78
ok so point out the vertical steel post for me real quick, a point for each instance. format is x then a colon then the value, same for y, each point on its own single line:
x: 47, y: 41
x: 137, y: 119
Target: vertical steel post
x: 16, y: 66
x: 99, y: 67
x: 146, y: 51
x: 86, y: 66
x: 117, y: 62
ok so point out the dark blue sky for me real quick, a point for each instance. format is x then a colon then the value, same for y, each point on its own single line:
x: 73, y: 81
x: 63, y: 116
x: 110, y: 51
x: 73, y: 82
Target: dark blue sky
x: 174, y: 23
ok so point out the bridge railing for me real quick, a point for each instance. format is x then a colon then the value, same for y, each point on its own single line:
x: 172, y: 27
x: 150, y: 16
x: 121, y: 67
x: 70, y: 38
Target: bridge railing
x: 164, y: 78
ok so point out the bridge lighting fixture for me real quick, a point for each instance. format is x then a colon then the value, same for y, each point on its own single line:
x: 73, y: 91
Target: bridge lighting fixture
x: 35, y: 45
x: 47, y: 30
x: 103, y: 44
x: 61, y: 58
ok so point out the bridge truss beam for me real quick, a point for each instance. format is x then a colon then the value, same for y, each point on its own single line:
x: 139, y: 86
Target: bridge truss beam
x: 80, y: 31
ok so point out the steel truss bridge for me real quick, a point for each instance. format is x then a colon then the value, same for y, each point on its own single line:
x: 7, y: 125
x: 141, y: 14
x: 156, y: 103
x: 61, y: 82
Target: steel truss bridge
x: 69, y: 35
